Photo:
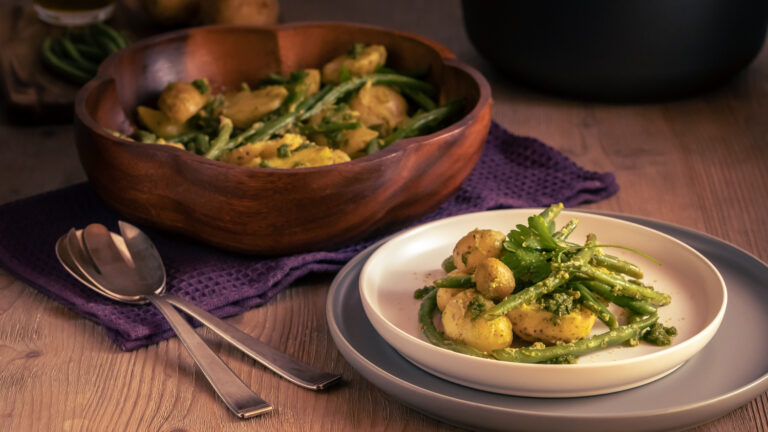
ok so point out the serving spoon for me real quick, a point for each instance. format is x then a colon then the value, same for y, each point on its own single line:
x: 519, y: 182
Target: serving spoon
x: 96, y: 263
x: 144, y: 256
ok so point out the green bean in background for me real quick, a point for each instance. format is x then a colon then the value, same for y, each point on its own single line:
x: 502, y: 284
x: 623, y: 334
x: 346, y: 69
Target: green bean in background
x: 62, y: 67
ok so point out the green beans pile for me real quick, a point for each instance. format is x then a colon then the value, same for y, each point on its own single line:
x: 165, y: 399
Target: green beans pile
x: 76, y: 55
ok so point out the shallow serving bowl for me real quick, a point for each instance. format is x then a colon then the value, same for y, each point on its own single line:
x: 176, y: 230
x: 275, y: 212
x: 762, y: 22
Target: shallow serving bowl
x: 271, y: 211
x: 412, y: 260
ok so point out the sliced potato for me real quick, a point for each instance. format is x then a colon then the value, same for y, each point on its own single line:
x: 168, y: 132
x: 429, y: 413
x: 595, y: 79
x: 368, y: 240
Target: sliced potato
x: 159, y: 123
x: 180, y: 101
x: 354, y: 141
x: 308, y: 157
x: 245, y: 107
x: 252, y: 154
x: 365, y: 62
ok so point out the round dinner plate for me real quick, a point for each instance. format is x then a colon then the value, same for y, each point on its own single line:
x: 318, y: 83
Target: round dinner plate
x: 411, y: 259
x: 728, y: 372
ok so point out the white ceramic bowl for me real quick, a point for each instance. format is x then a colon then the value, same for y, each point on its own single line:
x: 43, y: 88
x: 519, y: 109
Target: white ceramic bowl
x: 412, y: 259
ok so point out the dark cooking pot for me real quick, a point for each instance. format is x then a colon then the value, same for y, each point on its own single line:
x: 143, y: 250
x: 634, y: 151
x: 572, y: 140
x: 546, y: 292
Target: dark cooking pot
x: 621, y: 50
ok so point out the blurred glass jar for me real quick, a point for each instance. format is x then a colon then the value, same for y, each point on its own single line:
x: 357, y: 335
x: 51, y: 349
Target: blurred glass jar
x: 74, y: 12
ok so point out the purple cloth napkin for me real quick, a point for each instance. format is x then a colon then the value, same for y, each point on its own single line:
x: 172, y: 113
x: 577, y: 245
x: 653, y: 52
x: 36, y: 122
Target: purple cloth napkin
x: 513, y: 171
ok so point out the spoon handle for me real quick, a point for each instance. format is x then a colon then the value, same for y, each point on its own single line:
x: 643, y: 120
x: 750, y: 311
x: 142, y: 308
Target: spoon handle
x: 282, y: 364
x: 235, y: 394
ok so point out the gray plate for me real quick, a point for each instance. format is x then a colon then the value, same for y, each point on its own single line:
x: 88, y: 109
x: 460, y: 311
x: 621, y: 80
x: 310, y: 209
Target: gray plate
x: 729, y: 372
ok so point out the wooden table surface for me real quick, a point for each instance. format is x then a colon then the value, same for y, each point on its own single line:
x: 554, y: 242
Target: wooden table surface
x: 701, y: 163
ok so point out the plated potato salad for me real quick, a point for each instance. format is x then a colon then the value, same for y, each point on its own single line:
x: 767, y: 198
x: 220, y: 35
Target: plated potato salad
x: 536, y: 286
x: 350, y: 107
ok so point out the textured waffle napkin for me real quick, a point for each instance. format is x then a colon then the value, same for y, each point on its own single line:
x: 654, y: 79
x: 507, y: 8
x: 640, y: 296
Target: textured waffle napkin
x: 512, y: 172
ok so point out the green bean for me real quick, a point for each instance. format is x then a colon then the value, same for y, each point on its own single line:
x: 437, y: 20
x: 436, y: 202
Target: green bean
x: 331, y: 127
x: 111, y: 34
x: 527, y: 295
x: 106, y: 44
x: 448, y: 265
x: 613, y: 337
x: 201, y: 143
x: 563, y: 233
x: 426, y: 312
x: 622, y: 287
x: 90, y: 40
x: 640, y: 307
x: 590, y: 302
x: 61, y: 66
x: 463, y: 281
x: 144, y: 136
x: 551, y: 212
x: 419, y: 98
x: 415, y: 125
x: 372, y: 146
x: 81, y: 62
x: 225, y: 131
x: 89, y: 52
x: 617, y: 265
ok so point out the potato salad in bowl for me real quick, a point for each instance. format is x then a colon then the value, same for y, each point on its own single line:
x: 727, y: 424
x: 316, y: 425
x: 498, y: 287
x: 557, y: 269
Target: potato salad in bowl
x: 350, y: 107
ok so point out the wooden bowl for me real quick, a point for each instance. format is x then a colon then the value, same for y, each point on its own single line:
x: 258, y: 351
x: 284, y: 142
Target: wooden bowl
x: 270, y: 211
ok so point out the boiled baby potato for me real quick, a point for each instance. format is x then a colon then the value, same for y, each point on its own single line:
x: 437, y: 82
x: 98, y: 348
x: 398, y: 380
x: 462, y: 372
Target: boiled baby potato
x: 476, y: 246
x: 479, y: 333
x: 250, y: 12
x: 380, y: 106
x: 534, y: 324
x: 364, y: 62
x: 444, y: 295
x: 245, y: 107
x: 180, y: 101
x: 494, y: 279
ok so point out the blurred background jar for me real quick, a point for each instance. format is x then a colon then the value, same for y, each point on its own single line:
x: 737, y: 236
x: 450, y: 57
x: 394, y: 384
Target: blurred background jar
x: 74, y: 12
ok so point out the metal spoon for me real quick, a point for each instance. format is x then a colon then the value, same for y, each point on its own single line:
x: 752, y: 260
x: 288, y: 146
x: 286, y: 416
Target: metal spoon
x: 145, y: 255
x: 96, y: 260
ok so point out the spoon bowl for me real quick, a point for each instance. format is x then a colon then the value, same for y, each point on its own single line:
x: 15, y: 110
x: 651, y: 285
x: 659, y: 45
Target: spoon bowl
x: 97, y: 257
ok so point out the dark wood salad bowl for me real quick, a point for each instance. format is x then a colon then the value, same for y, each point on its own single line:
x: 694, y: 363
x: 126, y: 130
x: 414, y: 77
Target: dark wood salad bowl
x: 270, y: 211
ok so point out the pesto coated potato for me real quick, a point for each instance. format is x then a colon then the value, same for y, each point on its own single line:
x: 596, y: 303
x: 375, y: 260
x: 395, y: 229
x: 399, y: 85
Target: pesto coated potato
x: 180, y: 101
x: 476, y: 246
x: 479, y: 333
x: 444, y: 295
x: 245, y: 107
x: 532, y: 323
x: 494, y: 279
